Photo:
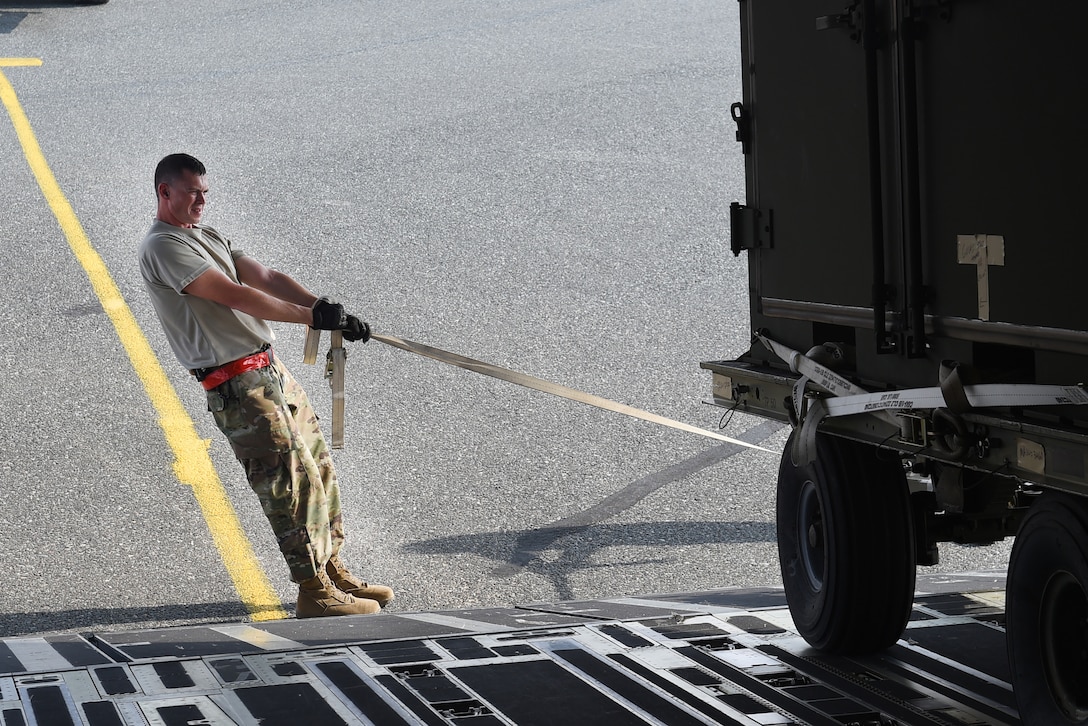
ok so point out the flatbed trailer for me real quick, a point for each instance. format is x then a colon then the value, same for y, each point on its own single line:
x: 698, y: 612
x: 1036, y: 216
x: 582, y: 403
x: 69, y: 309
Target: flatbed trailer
x: 915, y: 241
x: 728, y: 656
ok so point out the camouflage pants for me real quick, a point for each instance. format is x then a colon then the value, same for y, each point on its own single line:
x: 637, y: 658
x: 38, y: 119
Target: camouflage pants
x: 267, y: 417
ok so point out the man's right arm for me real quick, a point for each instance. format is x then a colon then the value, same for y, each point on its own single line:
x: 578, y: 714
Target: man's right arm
x: 215, y: 286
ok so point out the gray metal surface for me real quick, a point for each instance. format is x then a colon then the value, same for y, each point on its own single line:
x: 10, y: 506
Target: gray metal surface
x: 901, y: 191
x: 717, y: 657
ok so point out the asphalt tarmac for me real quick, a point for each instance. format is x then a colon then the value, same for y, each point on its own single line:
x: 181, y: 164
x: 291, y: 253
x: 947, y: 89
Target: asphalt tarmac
x: 542, y: 185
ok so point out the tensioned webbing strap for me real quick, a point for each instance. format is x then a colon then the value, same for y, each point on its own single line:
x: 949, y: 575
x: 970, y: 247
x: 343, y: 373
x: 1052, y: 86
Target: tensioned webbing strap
x: 847, y: 399
x: 850, y: 399
x: 985, y: 395
x: 555, y: 389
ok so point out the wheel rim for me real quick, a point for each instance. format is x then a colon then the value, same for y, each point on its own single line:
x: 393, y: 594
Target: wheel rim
x: 1064, y: 635
x: 811, y: 535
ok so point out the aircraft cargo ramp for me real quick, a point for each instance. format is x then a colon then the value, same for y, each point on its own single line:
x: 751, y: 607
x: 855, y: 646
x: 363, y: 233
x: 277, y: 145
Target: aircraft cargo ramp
x: 719, y: 657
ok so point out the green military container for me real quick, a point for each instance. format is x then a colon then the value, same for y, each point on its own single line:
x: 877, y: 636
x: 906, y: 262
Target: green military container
x: 915, y: 235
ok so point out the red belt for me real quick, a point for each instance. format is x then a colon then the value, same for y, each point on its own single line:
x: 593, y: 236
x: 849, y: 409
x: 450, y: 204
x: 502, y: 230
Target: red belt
x: 218, y: 376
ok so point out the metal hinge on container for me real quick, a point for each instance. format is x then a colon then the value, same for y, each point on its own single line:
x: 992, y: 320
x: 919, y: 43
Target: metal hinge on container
x: 750, y: 228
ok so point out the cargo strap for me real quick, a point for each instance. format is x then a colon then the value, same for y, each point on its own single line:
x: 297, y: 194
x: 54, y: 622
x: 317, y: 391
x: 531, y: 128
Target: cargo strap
x: 335, y: 362
x: 337, y: 357
x: 554, y: 389
x: 953, y: 395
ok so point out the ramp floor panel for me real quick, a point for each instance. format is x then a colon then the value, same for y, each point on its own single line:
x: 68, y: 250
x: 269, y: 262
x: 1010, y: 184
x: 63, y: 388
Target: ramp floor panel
x: 723, y: 657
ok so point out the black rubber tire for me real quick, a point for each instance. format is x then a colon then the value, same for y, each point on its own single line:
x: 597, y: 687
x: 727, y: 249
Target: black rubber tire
x: 1046, y: 611
x: 846, y: 546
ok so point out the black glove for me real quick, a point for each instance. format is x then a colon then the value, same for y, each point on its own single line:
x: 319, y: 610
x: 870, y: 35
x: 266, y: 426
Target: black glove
x: 329, y: 315
x: 356, y: 330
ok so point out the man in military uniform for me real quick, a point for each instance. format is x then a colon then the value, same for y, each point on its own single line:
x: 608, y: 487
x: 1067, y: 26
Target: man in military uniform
x: 213, y: 301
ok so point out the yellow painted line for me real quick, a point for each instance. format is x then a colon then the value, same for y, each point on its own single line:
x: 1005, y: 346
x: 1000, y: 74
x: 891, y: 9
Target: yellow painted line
x: 20, y: 61
x: 192, y: 464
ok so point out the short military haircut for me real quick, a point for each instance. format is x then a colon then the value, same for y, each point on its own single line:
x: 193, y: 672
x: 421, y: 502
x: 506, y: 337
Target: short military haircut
x: 172, y: 166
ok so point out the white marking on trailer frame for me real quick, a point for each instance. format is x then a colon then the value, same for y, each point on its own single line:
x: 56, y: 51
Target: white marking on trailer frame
x: 982, y: 251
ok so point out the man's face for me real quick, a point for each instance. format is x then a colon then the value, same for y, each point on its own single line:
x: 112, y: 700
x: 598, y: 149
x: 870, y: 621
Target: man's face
x: 181, y: 203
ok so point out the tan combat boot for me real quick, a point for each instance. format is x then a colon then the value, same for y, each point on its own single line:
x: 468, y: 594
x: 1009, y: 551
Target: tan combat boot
x: 352, y: 585
x: 318, y: 598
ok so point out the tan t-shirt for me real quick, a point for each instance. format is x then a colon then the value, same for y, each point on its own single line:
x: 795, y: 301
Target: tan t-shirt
x: 202, y: 333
